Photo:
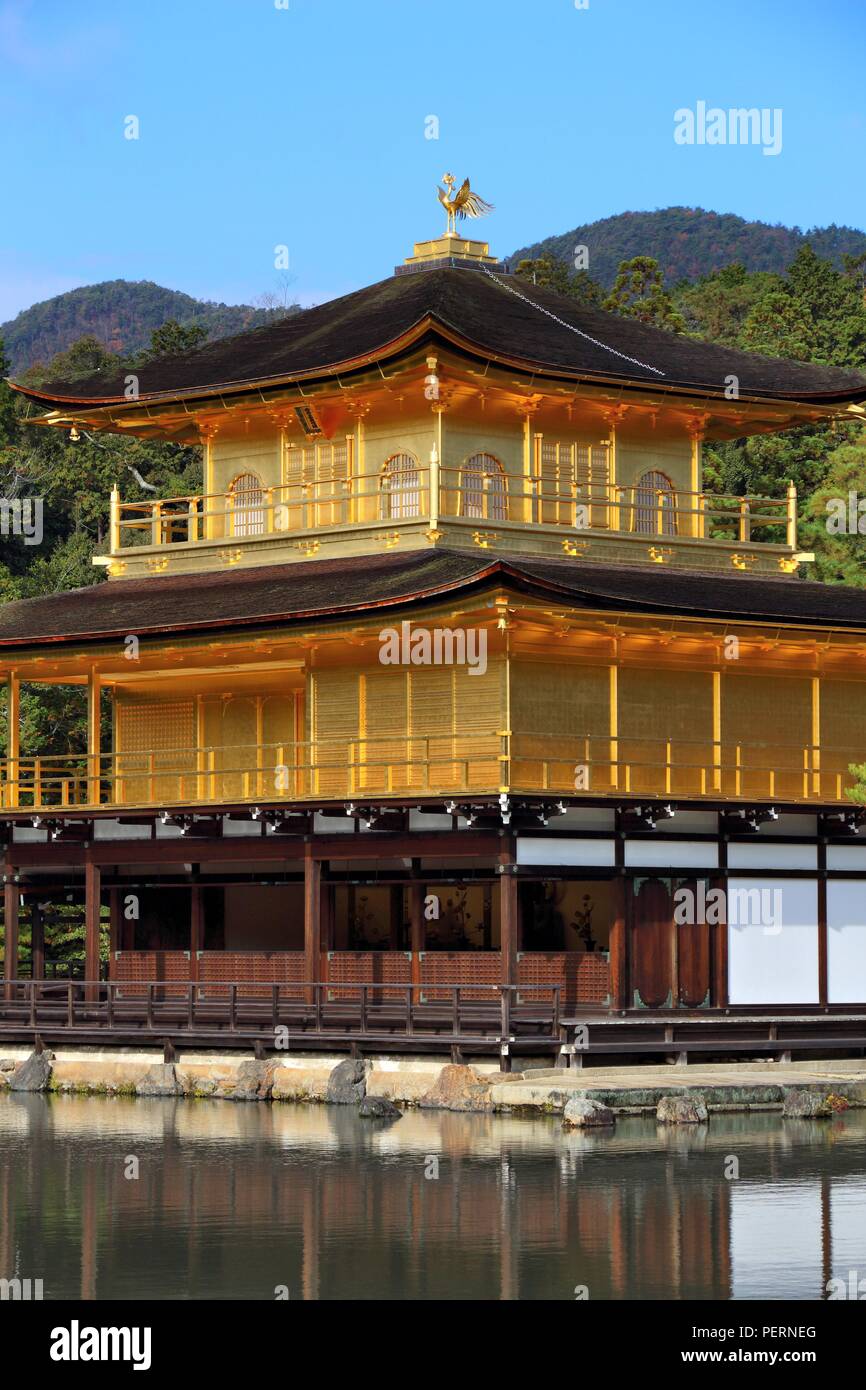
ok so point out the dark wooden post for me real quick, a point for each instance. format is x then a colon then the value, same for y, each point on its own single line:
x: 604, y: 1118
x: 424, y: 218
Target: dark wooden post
x: 509, y: 933
x: 10, y: 926
x: 196, y: 929
x: 312, y: 919
x: 619, y: 946
x: 822, y: 922
x: 37, y: 941
x: 329, y: 924
x: 92, y: 915
x: 417, y: 931
x: 509, y: 917
x: 719, y: 978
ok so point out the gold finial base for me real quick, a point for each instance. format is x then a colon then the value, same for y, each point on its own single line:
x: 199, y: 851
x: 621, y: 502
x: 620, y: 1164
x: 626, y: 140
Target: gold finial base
x: 452, y: 246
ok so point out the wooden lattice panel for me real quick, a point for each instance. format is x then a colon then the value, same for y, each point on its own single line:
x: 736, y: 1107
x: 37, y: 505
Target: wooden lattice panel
x: 136, y: 969
x: 583, y: 976
x: 253, y: 971
x: 461, y: 968
x: 156, y: 741
x: 368, y: 968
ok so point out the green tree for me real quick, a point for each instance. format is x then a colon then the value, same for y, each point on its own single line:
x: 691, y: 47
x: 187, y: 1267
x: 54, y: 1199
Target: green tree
x: 552, y: 274
x: 84, y: 358
x: 777, y: 326
x: 857, y: 793
x: 717, y: 307
x: 639, y: 293
x: 840, y: 548
x: 8, y: 409
x: 172, y: 338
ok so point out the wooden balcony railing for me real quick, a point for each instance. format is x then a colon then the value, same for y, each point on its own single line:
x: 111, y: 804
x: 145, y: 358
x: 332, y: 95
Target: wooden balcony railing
x: 465, y: 1013
x: 392, y: 768
x: 437, y: 493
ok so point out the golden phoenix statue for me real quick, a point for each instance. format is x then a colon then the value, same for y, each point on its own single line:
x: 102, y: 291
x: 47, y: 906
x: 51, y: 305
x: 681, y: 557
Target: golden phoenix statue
x: 464, y: 203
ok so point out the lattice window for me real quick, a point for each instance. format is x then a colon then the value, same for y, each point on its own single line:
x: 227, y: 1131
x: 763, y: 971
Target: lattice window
x: 400, y: 488
x: 654, y: 501
x: 482, y: 488
x: 156, y: 740
x: 247, y: 505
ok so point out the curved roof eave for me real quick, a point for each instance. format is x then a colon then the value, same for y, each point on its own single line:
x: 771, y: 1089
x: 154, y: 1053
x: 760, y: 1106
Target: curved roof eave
x: 429, y: 323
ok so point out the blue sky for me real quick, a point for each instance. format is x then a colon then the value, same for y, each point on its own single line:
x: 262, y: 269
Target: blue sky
x: 305, y: 126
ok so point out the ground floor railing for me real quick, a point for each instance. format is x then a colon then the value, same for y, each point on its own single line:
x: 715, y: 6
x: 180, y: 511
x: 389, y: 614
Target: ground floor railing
x: 279, y: 1015
x: 482, y: 762
x: 474, y: 1018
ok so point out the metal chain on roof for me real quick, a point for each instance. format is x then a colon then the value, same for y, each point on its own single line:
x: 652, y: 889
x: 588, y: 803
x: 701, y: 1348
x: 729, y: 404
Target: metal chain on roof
x: 570, y: 326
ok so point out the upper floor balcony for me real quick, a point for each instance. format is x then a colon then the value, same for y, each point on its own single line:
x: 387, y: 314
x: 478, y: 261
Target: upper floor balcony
x: 557, y: 510
x: 486, y: 763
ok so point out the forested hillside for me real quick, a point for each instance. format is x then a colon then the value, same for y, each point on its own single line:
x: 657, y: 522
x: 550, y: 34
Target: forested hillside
x: 119, y: 314
x: 689, y: 243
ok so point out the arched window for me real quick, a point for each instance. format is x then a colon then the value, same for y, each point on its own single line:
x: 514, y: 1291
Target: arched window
x: 400, y: 488
x: 485, y: 500
x: 247, y: 505
x: 654, y: 502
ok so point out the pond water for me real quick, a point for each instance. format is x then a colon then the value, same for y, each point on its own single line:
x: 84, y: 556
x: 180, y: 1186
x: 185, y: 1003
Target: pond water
x: 112, y: 1198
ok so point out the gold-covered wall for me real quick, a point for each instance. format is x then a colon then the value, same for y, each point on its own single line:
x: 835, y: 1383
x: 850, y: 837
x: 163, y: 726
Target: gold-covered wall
x: 212, y: 746
x: 682, y: 732
x: 385, y: 730
x: 773, y: 713
x: 665, y: 717
x: 525, y: 695
x: 560, y: 721
x: 156, y: 739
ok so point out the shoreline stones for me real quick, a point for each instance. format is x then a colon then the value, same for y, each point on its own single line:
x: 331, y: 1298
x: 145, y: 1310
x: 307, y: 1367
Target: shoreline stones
x: 582, y: 1112
x: 458, y: 1087
x: 33, y: 1074
x: 689, y: 1109
x: 347, y: 1083
x: 160, y: 1080
x: 378, y: 1108
x: 808, y: 1105
x: 254, y: 1080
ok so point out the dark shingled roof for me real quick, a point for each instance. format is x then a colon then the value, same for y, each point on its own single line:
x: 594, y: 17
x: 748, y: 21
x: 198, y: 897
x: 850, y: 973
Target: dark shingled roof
x: 315, y: 589
x: 489, y: 315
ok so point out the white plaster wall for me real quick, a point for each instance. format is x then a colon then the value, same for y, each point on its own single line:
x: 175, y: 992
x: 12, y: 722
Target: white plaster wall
x: 775, y: 962
x: 551, y: 849
x: 846, y: 941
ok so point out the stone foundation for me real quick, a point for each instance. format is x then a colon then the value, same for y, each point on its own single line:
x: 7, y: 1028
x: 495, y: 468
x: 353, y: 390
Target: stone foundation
x: 429, y: 1081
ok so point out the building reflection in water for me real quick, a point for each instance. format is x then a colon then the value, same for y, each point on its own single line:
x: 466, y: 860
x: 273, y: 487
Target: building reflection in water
x: 236, y: 1201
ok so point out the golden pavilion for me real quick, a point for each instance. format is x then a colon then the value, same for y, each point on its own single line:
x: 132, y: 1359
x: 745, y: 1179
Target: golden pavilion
x: 418, y: 724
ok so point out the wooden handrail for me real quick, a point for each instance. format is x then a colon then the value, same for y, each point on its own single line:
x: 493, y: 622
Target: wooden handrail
x: 447, y: 491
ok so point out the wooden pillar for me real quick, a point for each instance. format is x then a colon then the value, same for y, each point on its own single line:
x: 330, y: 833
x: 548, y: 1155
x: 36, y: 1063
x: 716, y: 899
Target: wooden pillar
x: 196, y: 929
x: 37, y: 941
x: 13, y: 738
x: 618, y: 954
x: 93, y: 738
x: 92, y: 913
x: 509, y: 915
x: 312, y: 920
x: 822, y: 922
x: 10, y: 926
x: 719, y: 977
x: 417, y: 925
